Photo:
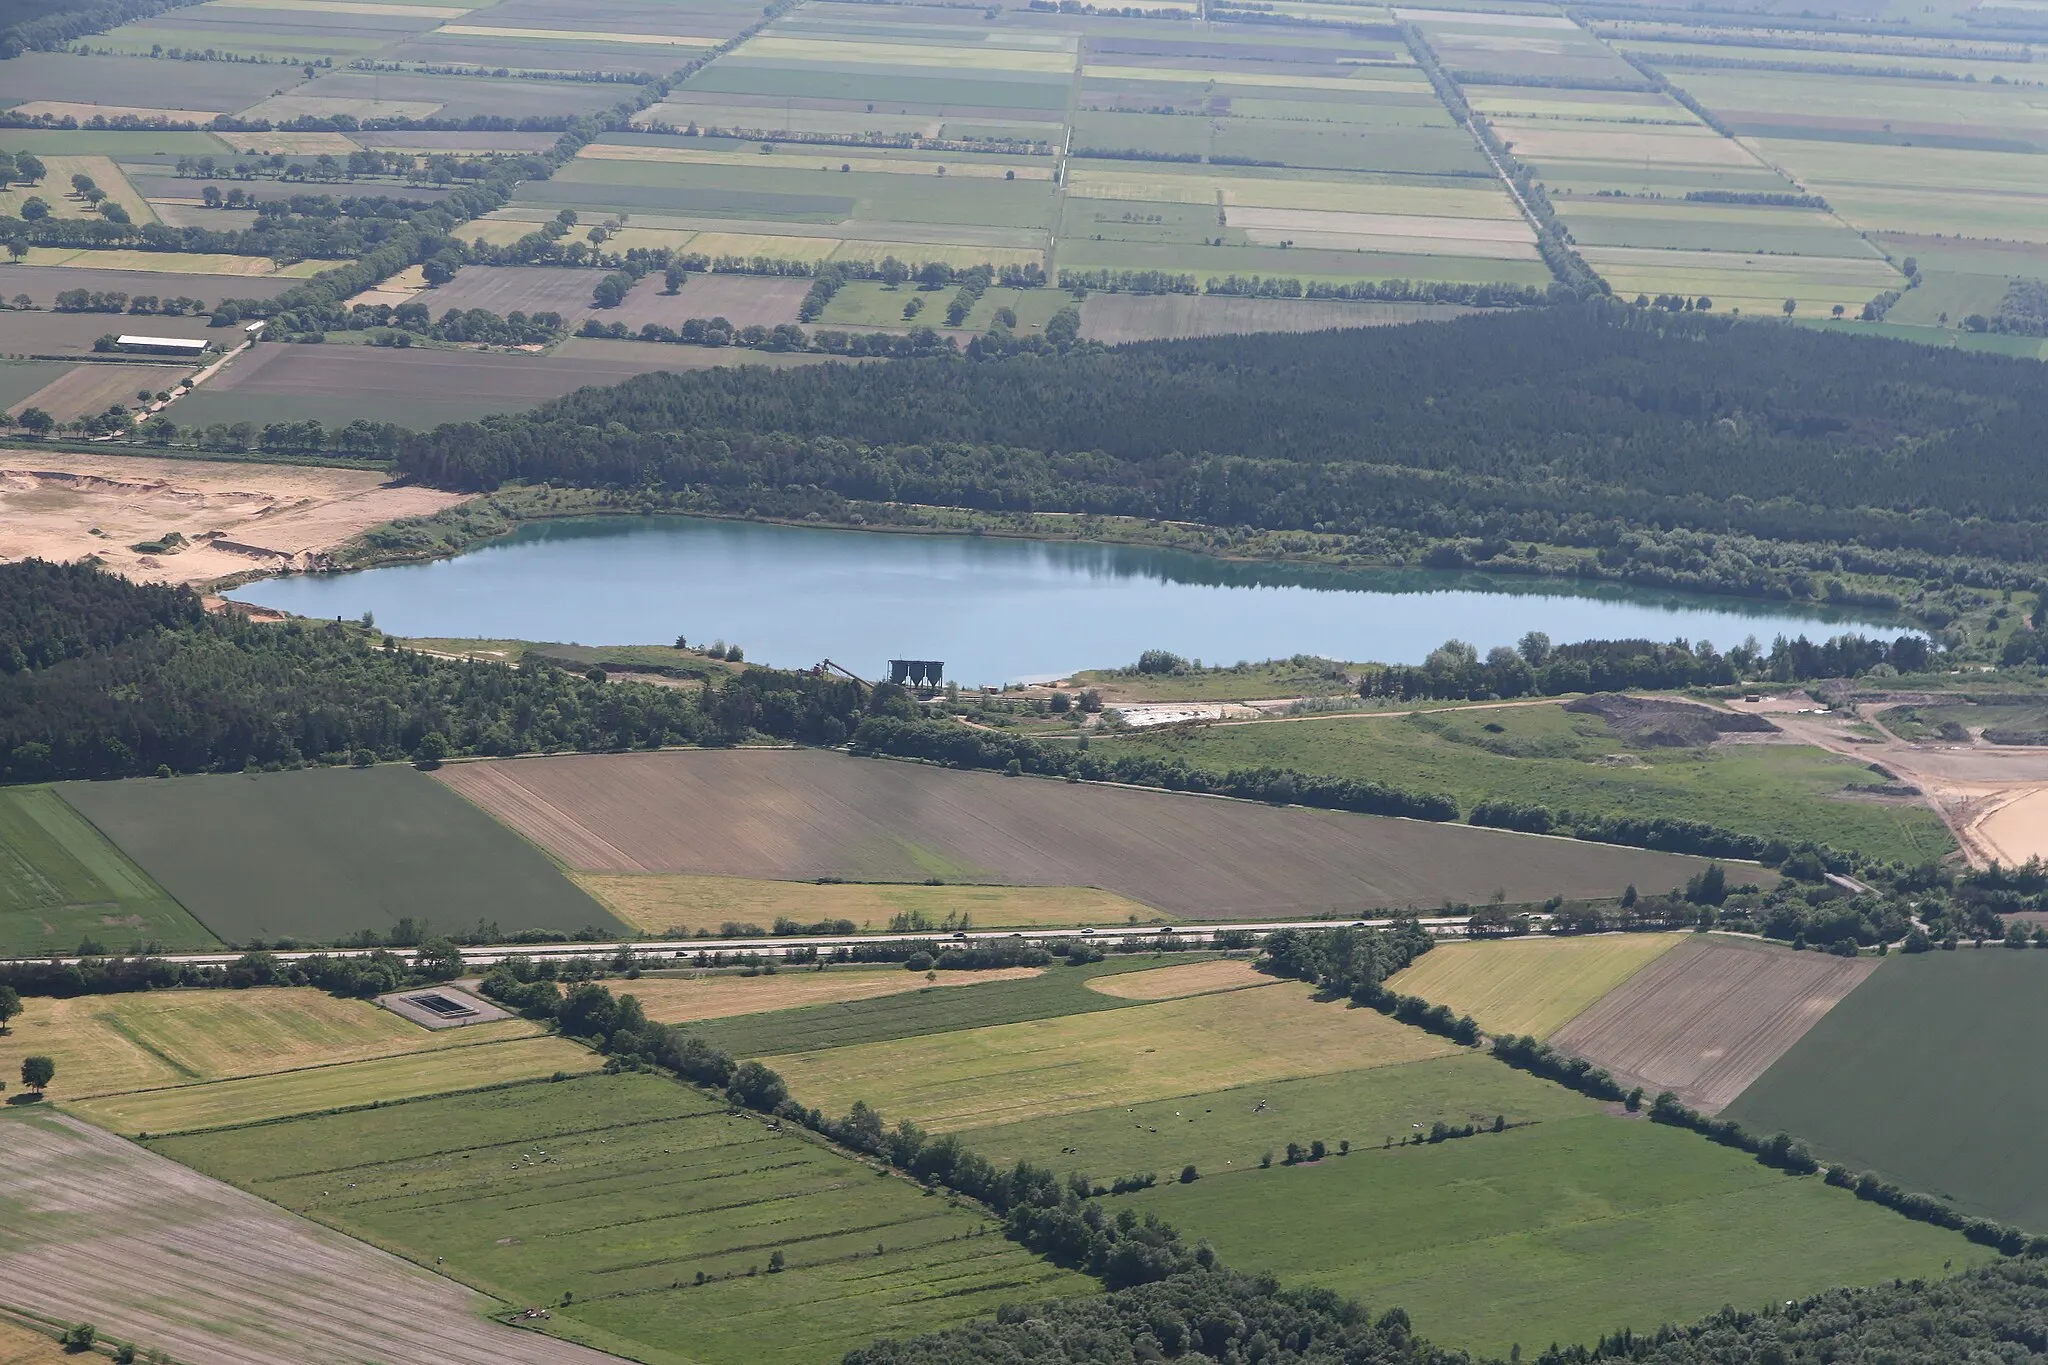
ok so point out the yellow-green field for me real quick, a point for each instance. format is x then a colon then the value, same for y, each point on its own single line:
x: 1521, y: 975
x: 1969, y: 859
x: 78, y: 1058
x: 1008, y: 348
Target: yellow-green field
x: 171, y: 262
x: 1529, y: 985
x: 55, y: 190
x: 109, y: 1044
x: 947, y: 57
x: 1755, y: 284
x: 221, y: 1104
x: 1175, y: 983
x: 676, y: 1000
x: 982, y: 168
x: 20, y: 1346
x: 1125, y: 1056
x: 663, y: 904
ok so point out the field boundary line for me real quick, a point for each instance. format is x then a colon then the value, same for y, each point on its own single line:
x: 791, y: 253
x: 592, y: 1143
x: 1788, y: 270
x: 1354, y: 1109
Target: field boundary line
x: 120, y: 1026
x: 200, y: 1082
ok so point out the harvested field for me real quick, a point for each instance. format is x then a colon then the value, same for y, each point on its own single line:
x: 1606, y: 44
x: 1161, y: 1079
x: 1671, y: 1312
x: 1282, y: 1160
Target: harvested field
x: 314, y: 1089
x: 20, y: 1346
x: 529, y: 289
x: 793, y: 815
x: 43, y: 285
x: 93, y: 387
x: 1175, y: 983
x: 678, y: 1000
x: 107, y: 1045
x: 607, y: 1197
x: 659, y: 903
x: 417, y: 387
x: 1710, y: 1016
x: 744, y: 300
x: 237, y: 516
x: 302, y: 864
x: 1166, y: 317
x: 1044, y: 1067
x: 69, y: 335
x: 1926, y: 1075
x: 101, y: 1230
x: 1529, y: 985
x: 62, y: 884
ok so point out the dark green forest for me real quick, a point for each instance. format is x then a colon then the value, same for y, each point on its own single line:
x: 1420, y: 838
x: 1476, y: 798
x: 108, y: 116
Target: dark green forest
x: 1575, y: 417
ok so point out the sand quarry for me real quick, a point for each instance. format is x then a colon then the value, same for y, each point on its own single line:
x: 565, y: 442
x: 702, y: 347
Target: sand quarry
x: 237, y: 517
x: 1993, y: 797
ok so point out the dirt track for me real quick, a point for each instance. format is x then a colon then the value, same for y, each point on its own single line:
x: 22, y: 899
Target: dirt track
x: 1994, y: 798
x: 1710, y: 1016
x: 100, y: 1230
x: 238, y: 516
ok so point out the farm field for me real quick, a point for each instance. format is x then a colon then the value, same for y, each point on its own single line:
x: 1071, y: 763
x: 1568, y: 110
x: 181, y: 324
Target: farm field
x: 1529, y: 985
x: 21, y: 1346
x: 641, y: 1184
x: 102, y: 1230
x: 110, y: 1045
x: 423, y: 387
x: 687, y: 999
x: 62, y: 883
x: 659, y: 903
x: 1223, y: 1130
x: 1573, y: 1225
x: 795, y: 815
x: 377, y: 1081
x: 1055, y: 993
x: 1712, y: 1015
x: 1068, y: 1065
x: 1549, y: 756
x: 299, y: 869
x: 1917, y: 1076
x: 89, y: 389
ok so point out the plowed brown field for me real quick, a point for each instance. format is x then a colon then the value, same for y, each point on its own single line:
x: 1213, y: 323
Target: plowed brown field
x: 1710, y: 1016
x: 99, y: 1230
x: 803, y: 814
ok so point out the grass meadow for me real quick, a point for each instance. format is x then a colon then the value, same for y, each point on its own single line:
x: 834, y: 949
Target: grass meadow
x: 1923, y: 1074
x: 312, y: 1089
x: 645, y: 1215
x: 1560, y: 1231
x: 155, y: 1040
x: 1080, y: 1062
x: 62, y: 883
x: 296, y: 867
x: 1529, y: 985
x: 1550, y: 756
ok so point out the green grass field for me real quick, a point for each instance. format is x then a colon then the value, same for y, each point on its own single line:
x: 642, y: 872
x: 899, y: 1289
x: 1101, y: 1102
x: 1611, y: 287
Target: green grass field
x: 1546, y: 755
x: 320, y: 854
x: 609, y: 1197
x: 309, y: 1090
x: 1556, y: 1232
x: 1047, y: 1067
x: 62, y: 883
x: 1529, y: 985
x: 1224, y: 1130
x: 1926, y: 1074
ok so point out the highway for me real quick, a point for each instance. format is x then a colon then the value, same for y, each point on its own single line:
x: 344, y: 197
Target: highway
x: 649, y: 951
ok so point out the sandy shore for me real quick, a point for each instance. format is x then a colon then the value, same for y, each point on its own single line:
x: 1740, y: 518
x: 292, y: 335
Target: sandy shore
x: 237, y: 517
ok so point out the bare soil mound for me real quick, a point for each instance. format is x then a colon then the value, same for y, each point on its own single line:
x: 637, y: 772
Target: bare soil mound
x: 1657, y: 723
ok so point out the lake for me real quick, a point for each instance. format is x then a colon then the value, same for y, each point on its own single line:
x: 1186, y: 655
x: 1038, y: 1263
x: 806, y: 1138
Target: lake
x: 995, y: 609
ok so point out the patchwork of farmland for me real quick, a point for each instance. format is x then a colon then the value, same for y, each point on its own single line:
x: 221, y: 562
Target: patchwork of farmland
x: 323, y: 854
x: 63, y: 886
x: 644, y: 1213
x: 101, y: 1230
x: 805, y: 814
x: 1921, y: 1076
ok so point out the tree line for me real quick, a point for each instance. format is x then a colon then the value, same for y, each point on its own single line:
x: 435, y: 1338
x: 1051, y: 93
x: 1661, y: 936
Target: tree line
x: 1590, y: 424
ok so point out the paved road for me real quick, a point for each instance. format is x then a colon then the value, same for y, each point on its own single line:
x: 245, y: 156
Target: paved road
x: 1444, y: 926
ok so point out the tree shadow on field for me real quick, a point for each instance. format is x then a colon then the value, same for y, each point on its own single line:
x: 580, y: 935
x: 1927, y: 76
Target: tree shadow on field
x: 25, y: 1098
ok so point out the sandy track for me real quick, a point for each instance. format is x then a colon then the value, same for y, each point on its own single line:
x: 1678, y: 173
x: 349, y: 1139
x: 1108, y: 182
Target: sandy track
x: 1710, y: 1016
x: 101, y: 1230
x: 239, y: 516
x: 798, y: 815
